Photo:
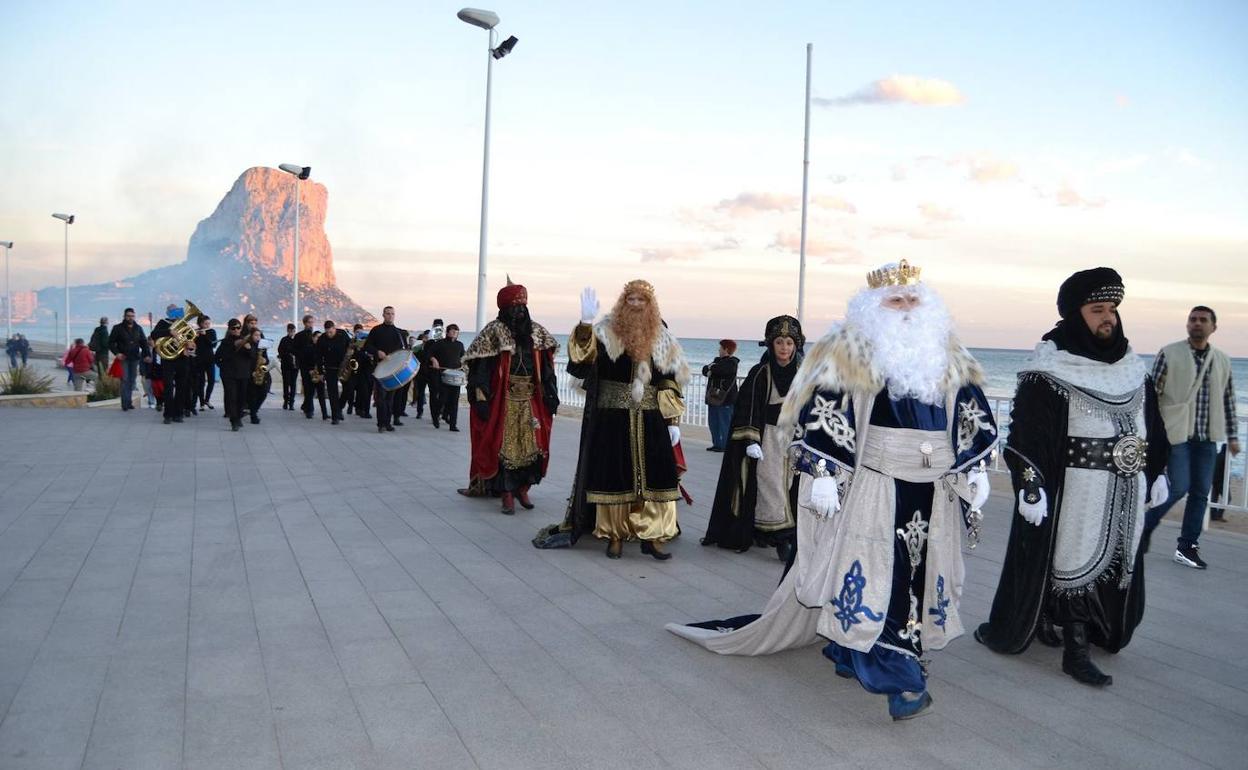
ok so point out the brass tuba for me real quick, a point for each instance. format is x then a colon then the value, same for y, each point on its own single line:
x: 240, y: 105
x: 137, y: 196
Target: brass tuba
x: 181, y: 333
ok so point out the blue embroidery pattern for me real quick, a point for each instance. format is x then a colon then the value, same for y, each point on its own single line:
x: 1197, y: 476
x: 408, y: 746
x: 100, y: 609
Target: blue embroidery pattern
x: 849, y: 603
x: 941, y: 603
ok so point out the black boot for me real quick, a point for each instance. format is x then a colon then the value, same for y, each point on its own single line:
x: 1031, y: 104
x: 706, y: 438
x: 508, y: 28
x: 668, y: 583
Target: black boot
x: 1046, y: 634
x: 1075, y: 658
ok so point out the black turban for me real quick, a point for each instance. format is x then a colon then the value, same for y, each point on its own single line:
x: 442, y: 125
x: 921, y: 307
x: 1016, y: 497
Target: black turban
x: 1100, y: 284
x: 783, y: 326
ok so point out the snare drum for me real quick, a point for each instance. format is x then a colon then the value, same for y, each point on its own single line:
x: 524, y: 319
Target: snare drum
x: 396, y: 370
x: 453, y: 377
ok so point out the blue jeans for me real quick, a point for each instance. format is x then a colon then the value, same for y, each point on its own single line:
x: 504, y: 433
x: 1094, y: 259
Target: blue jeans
x: 1191, y: 473
x: 719, y: 419
x: 129, y: 370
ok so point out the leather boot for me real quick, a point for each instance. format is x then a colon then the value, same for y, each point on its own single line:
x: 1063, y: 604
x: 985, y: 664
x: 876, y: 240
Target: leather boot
x: 522, y: 494
x: 1075, y: 658
x: 1046, y: 634
x: 509, y: 504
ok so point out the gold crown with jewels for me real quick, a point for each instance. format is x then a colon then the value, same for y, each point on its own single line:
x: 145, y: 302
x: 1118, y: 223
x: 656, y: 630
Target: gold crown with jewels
x: 901, y: 274
x: 639, y: 285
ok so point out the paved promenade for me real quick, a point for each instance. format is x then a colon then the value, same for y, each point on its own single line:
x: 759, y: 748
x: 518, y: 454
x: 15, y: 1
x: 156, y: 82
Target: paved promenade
x: 298, y: 595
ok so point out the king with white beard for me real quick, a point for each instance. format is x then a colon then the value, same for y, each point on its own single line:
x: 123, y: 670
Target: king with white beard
x: 891, y: 430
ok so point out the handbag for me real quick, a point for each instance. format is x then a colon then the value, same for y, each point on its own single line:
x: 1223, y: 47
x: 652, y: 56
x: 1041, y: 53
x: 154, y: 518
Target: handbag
x: 1179, y: 414
x: 115, y: 370
x: 717, y: 392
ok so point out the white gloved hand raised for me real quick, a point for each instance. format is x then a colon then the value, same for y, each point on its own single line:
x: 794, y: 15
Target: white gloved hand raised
x: 978, y: 480
x: 1160, y: 492
x: 825, y: 500
x: 589, y: 305
x: 754, y: 452
x: 1033, y: 513
x: 673, y: 433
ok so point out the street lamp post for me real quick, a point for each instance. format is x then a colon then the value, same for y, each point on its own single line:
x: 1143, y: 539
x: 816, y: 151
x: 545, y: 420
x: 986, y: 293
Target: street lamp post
x: 8, y: 295
x: 486, y: 20
x: 68, y: 219
x: 298, y: 172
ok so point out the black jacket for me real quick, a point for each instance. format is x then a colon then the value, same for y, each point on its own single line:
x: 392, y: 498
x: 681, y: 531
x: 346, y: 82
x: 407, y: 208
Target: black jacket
x: 331, y: 351
x: 286, y: 353
x: 234, y: 360
x: 385, y: 337
x: 205, y: 347
x: 99, y: 341
x: 723, y: 370
x: 450, y: 353
x: 130, y: 342
x: 304, y: 349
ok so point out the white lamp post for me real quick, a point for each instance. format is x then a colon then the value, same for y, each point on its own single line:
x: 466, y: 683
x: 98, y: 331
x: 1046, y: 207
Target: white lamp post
x: 8, y: 295
x: 298, y: 172
x: 486, y: 20
x: 68, y: 219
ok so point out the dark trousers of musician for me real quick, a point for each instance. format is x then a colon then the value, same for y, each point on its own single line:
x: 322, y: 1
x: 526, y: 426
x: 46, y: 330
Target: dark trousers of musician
x: 384, y: 402
x: 207, y: 381
x: 235, y: 390
x: 320, y: 399
x: 289, y: 378
x: 177, y: 376
x: 346, y: 397
x: 335, y: 398
x: 363, y: 394
x: 255, y: 395
x: 400, y: 400
x: 419, y: 383
x: 309, y: 390
x: 447, y: 405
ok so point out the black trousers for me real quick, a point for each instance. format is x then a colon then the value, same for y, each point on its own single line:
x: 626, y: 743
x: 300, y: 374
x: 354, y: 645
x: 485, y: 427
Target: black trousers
x: 210, y: 381
x: 335, y: 399
x: 235, y: 395
x: 447, y: 407
x: 289, y: 378
x: 363, y: 392
x: 309, y: 389
x: 177, y: 376
x: 400, y: 400
x: 384, y: 402
x: 256, y: 394
x: 346, y: 399
x: 419, y: 383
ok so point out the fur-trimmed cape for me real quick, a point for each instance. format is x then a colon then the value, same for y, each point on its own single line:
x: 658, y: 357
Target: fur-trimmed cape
x: 496, y: 338
x: 842, y: 361
x: 667, y: 355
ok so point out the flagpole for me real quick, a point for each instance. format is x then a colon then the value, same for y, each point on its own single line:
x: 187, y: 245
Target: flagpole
x: 801, y: 275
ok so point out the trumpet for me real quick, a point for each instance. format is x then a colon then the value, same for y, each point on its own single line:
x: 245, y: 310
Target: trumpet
x: 181, y: 333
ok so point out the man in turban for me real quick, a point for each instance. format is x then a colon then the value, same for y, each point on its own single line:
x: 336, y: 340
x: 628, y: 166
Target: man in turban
x: 513, y: 395
x: 887, y: 415
x: 1086, y: 448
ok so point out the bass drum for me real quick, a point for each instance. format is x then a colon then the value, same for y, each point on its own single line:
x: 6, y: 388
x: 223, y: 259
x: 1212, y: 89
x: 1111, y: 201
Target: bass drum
x: 396, y: 370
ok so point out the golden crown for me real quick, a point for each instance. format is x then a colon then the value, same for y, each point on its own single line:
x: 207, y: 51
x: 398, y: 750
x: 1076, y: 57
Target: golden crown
x: 901, y: 274
x: 639, y: 285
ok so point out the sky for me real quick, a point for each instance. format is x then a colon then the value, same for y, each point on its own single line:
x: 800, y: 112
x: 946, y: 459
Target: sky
x: 998, y: 147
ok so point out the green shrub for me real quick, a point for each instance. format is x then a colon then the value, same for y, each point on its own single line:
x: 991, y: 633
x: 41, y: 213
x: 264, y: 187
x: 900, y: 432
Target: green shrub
x: 105, y: 388
x: 24, y: 381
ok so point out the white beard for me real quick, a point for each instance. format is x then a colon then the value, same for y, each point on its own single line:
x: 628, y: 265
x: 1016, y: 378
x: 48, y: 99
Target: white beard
x: 909, y: 350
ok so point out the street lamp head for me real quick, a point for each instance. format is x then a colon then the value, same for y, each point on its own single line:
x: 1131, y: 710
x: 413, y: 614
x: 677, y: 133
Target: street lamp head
x: 6, y: 244
x: 66, y: 218
x: 479, y: 18
x: 303, y: 172
x: 505, y: 47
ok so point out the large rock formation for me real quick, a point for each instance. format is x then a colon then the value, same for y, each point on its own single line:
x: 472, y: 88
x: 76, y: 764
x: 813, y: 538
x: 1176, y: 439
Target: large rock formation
x: 239, y: 260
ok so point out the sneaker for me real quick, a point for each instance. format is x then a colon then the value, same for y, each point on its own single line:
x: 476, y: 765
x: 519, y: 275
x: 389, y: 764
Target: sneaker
x: 1189, y: 556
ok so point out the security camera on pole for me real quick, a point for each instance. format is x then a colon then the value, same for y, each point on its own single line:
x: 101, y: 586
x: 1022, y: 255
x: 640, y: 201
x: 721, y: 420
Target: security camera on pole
x: 8, y: 295
x: 68, y: 219
x: 298, y: 172
x: 486, y: 20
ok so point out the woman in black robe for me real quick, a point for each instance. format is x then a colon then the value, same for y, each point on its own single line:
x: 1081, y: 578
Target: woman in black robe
x: 756, y: 497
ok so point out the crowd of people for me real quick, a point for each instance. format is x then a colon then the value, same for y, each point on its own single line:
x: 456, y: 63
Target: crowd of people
x: 862, y: 461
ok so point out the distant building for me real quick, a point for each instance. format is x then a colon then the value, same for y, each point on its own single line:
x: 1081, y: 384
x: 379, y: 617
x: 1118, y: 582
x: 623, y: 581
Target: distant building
x: 25, y: 303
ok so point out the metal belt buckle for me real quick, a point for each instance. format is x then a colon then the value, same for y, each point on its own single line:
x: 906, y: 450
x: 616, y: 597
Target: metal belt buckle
x: 1129, y: 454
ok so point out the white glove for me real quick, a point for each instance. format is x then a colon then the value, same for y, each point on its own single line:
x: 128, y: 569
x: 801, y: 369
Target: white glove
x: 1160, y: 492
x: 1033, y: 513
x: 825, y: 500
x: 589, y: 305
x: 673, y: 433
x: 754, y: 452
x: 978, y: 480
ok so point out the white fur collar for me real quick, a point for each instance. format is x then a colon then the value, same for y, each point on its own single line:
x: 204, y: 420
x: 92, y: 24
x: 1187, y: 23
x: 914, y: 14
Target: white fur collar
x: 841, y: 361
x: 1123, y: 376
x: 667, y: 356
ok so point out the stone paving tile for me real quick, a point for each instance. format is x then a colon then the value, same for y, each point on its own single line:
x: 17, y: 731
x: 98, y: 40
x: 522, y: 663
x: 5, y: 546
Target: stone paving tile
x: 217, y: 600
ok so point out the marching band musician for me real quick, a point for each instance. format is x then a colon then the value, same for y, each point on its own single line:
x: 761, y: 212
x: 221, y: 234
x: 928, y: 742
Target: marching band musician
x: 204, y: 375
x: 332, y: 350
x: 234, y: 359
x: 256, y: 392
x: 445, y: 359
x: 290, y: 367
x: 362, y: 380
x: 176, y: 370
x: 304, y: 358
x: 384, y: 340
x: 318, y: 378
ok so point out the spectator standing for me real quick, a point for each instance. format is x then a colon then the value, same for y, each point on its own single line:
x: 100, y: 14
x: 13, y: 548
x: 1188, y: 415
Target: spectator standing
x: 1197, y: 399
x: 99, y: 346
x: 721, y: 393
x: 128, y: 342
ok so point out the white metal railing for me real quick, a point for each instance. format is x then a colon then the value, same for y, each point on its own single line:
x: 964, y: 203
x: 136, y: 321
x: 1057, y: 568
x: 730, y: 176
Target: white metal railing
x: 1234, y: 489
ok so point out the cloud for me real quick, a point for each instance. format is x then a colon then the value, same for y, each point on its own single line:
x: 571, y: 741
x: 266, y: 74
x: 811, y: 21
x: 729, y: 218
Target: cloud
x: 904, y: 231
x: 834, y: 203
x: 686, y: 252
x: 749, y: 203
x: 1188, y: 158
x: 1066, y: 196
x: 986, y: 170
x: 936, y: 213
x: 901, y: 89
x: 833, y: 252
x: 1122, y: 101
x: 704, y: 220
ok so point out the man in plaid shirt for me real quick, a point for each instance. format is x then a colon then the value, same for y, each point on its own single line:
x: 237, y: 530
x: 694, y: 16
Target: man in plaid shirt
x: 1197, y: 400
